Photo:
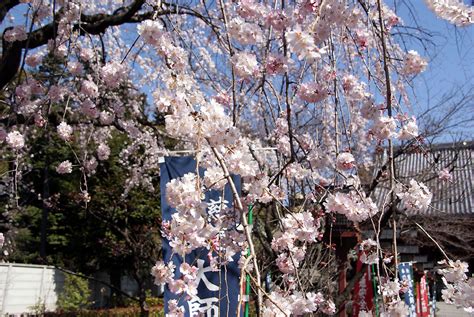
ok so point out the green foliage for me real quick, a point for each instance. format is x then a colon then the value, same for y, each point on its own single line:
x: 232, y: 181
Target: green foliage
x: 114, y: 312
x: 150, y: 300
x: 75, y: 295
x: 39, y: 308
x: 154, y: 301
x: 113, y: 232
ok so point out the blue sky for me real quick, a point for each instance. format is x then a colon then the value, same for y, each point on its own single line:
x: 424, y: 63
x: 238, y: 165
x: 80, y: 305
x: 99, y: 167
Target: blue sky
x: 451, y: 57
x: 454, y: 61
x: 451, y: 61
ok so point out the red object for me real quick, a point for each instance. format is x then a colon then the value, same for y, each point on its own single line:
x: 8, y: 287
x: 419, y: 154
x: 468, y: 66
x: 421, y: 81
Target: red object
x: 418, y: 300
x: 363, y: 298
x: 425, y: 307
x: 342, y: 287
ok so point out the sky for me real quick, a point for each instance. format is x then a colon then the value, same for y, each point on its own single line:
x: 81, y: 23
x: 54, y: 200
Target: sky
x: 451, y: 61
x: 450, y: 55
x: 454, y: 61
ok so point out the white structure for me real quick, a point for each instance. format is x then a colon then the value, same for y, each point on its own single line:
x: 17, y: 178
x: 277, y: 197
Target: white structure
x: 24, y: 287
x: 28, y: 288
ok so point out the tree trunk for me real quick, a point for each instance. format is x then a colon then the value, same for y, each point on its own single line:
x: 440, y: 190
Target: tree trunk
x: 144, y: 310
x: 45, y: 212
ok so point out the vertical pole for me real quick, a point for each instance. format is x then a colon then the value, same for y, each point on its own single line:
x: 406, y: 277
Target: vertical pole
x: 342, y: 286
x: 374, y: 282
x: 247, y: 284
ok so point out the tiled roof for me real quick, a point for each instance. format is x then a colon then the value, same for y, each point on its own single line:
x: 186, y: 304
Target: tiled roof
x: 449, y: 198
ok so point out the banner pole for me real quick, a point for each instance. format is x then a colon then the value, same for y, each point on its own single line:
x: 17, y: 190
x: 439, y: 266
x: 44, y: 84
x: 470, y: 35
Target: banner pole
x: 374, y: 282
x: 247, y: 286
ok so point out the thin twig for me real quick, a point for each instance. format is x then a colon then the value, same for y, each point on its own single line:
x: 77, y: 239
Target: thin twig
x: 243, y: 215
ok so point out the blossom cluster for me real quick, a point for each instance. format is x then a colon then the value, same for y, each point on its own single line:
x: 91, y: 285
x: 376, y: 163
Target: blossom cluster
x: 188, y: 228
x: 280, y: 304
x: 15, y: 140
x: 182, y: 282
x: 64, y: 168
x: 459, y: 288
x: 414, y: 64
x: 355, y: 207
x: 445, y: 175
x: 369, y: 252
x: 416, y: 198
x: 454, y: 11
x: 297, y: 230
x: 390, y: 291
x: 312, y: 92
x: 305, y: 78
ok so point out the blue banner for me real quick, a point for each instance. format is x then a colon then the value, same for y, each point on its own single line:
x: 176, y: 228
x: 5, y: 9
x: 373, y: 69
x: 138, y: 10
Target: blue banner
x: 405, y: 272
x: 217, y: 291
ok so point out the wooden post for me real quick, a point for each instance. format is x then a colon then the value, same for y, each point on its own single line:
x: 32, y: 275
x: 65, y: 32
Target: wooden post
x: 342, y: 281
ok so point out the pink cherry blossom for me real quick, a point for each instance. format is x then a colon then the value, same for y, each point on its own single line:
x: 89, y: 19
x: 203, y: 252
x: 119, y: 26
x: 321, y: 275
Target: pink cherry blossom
x: 414, y: 64
x: 113, y: 74
x: 445, y: 175
x: 415, y: 198
x: 86, y: 54
x: 15, y: 140
x: 17, y: 33
x: 369, y: 251
x: 150, y: 31
x: 276, y: 64
x: 103, y: 152
x: 409, y: 130
x: 56, y: 94
x: 89, y: 89
x: 106, y: 117
x: 250, y: 9
x: 75, y: 68
x: 313, y: 92
x: 454, y: 11
x: 278, y: 20
x: 302, y: 44
x: 64, y: 167
x: 174, y: 310
x: 64, y: 131
x: 384, y: 127
x: 245, y: 33
x: 354, y: 207
x: 290, y: 96
x: 162, y: 272
x: 345, y: 161
x: 34, y: 60
x: 245, y: 64
x: 89, y: 109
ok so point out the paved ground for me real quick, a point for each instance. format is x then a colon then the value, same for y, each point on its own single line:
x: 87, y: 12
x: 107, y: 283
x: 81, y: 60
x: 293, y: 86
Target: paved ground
x: 445, y: 310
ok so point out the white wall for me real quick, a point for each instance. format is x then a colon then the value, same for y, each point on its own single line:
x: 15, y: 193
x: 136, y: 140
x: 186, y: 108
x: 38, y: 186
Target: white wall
x: 23, y: 286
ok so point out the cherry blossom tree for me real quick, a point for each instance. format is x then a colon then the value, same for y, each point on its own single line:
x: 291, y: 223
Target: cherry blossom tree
x: 294, y: 96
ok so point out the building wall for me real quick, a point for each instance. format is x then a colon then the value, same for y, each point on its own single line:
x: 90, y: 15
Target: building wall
x: 24, y: 286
